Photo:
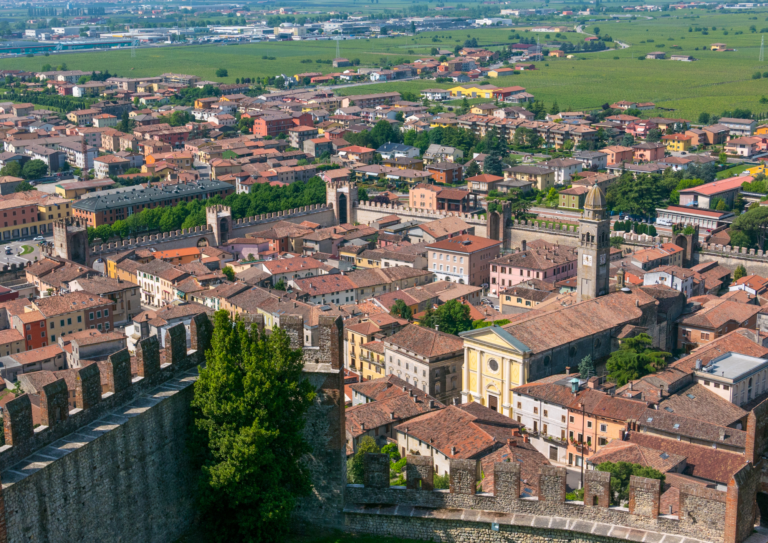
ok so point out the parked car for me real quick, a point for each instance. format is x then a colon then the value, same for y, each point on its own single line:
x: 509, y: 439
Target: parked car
x: 39, y: 238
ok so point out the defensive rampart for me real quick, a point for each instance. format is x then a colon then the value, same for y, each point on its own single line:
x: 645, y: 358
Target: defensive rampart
x: 368, y: 212
x: 417, y: 510
x: 203, y: 235
x: 115, y: 467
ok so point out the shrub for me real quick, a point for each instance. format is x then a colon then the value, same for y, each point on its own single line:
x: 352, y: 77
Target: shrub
x: 442, y: 482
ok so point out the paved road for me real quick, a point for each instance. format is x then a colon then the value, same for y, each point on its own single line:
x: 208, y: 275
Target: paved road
x: 16, y: 248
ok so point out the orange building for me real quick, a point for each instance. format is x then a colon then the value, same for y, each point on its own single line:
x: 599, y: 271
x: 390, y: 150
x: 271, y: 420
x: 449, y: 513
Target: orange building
x: 618, y: 154
x: 179, y: 256
x: 595, y: 418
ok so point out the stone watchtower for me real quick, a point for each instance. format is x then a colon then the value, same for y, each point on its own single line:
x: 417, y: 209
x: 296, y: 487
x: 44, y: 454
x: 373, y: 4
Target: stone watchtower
x: 594, y: 247
x: 70, y: 241
x: 219, y: 219
x: 342, y: 195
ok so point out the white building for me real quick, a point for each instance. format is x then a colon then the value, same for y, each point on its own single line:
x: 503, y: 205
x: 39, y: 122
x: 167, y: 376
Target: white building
x: 545, y: 418
x: 679, y: 279
x: 564, y: 168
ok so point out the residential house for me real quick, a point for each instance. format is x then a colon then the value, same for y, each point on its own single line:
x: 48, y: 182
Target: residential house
x: 464, y: 259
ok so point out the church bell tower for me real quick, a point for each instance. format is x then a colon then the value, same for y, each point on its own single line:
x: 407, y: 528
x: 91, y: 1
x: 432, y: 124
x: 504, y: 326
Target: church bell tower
x: 594, y: 247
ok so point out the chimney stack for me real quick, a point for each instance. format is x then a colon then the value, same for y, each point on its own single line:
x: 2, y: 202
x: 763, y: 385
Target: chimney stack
x: 362, y: 426
x: 391, y: 415
x: 567, y: 370
x: 453, y: 451
x: 512, y: 443
x: 698, y: 364
x: 431, y: 404
x: 722, y: 434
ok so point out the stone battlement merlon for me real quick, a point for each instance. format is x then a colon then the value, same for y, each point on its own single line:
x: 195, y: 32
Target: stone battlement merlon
x: 155, y: 366
x: 151, y: 240
x: 704, y: 513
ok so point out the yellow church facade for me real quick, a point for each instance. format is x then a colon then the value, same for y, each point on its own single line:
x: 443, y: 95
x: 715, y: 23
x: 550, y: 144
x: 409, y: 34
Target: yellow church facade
x: 494, y: 363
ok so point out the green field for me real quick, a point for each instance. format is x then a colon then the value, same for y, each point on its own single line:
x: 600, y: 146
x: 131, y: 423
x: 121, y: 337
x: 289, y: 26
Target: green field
x: 715, y: 83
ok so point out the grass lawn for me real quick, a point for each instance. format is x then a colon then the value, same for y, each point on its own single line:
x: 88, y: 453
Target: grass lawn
x: 26, y: 249
x: 716, y: 82
x: 732, y: 172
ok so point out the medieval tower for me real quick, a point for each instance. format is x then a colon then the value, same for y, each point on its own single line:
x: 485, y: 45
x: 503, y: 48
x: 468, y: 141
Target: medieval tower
x: 219, y: 220
x: 342, y: 195
x: 594, y: 247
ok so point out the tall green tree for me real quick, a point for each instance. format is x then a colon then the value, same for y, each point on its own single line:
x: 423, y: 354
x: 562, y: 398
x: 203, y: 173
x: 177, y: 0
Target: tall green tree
x: 247, y: 441
x: 355, y: 465
x: 452, y: 317
x: 586, y: 367
x: 34, y: 169
x: 620, y: 476
x: 635, y: 358
x: 400, y: 309
x: 739, y: 272
x: 229, y: 272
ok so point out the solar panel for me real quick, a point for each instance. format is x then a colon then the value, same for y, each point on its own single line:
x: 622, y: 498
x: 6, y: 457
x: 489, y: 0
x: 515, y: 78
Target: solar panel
x: 664, y: 456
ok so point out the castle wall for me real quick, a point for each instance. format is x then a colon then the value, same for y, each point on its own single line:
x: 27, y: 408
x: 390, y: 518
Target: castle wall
x: 201, y: 235
x: 368, y: 212
x: 547, y: 510
x: 125, y: 477
x: 114, y: 468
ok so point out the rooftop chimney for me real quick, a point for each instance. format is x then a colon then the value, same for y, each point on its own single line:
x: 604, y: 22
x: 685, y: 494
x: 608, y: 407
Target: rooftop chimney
x: 453, y: 451
x: 698, y: 364
x: 512, y: 443
x: 431, y: 404
x: 391, y: 415
x: 362, y: 426
x: 567, y: 370
x: 722, y: 434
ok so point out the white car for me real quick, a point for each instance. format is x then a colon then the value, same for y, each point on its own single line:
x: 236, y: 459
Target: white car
x: 39, y: 238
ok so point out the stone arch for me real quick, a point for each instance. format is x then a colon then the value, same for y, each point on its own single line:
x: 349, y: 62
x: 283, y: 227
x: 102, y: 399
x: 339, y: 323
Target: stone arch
x: 343, y: 208
x: 762, y: 507
x: 493, y: 226
x: 202, y: 242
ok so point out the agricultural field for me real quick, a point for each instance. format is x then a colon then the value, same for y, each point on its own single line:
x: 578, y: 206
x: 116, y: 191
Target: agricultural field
x: 717, y: 82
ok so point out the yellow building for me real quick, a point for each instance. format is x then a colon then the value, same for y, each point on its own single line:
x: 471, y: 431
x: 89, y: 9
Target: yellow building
x: 677, y: 142
x: 475, y: 91
x: 146, y: 87
x: 527, y: 298
x: 372, y: 360
x: 757, y: 170
x: 75, y: 189
x: 762, y: 129
x: 494, y: 363
x: 369, y: 329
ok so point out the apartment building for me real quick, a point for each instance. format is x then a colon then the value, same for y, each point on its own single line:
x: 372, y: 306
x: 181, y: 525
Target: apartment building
x: 464, y: 259
x: 74, y: 312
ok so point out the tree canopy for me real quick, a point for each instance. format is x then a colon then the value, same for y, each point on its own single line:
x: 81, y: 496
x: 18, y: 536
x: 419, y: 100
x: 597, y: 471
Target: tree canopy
x: 452, y: 317
x: 247, y: 441
x: 263, y: 198
x: 620, y: 475
x: 635, y: 358
x: 400, y: 309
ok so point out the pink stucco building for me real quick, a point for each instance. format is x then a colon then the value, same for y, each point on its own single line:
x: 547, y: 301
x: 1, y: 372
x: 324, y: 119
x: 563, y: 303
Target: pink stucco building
x: 547, y: 262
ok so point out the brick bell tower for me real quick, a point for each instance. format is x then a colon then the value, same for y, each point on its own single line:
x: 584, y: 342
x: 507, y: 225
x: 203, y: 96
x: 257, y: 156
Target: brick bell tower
x: 594, y: 247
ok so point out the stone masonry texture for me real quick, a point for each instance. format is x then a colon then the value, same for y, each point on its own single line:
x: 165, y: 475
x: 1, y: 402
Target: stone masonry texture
x: 131, y: 482
x: 709, y: 506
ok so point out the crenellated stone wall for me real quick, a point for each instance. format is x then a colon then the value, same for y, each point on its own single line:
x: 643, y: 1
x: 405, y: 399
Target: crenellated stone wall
x: 204, y: 235
x: 374, y: 504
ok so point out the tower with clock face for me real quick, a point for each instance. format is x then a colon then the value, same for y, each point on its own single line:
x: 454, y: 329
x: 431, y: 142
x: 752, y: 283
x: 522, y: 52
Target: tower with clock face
x: 594, y: 247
